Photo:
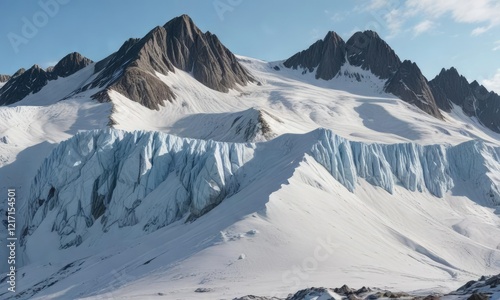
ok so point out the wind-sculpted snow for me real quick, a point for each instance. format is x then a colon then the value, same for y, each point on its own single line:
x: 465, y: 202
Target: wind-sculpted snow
x: 114, y: 178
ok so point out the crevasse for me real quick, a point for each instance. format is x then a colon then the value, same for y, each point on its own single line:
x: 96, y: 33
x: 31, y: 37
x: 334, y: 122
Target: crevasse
x: 110, y: 178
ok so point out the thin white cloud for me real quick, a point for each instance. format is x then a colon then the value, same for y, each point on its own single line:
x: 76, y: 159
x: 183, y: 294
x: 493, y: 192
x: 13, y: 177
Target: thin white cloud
x: 485, y: 14
x: 422, y: 27
x: 493, y: 84
x: 496, y: 47
x: 378, y: 4
x: 394, y: 22
x: 337, y: 16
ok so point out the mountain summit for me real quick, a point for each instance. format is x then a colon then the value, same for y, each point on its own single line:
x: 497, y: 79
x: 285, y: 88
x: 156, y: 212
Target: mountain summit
x: 368, y: 51
x: 327, y: 55
x: 179, y: 44
x: 23, y: 83
x: 450, y: 88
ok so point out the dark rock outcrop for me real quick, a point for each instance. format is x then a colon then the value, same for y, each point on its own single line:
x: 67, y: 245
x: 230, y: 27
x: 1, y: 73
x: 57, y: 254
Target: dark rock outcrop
x: 409, y: 84
x: 252, y: 297
x: 70, y: 64
x: 178, y: 44
x: 368, y: 51
x: 478, y: 296
x: 20, y: 86
x: 310, y: 293
x: 19, y: 72
x: 449, y: 88
x: 327, y: 55
x: 4, y: 78
x: 34, y: 79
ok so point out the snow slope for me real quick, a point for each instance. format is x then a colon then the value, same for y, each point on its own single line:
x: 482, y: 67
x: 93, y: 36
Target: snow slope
x: 400, y: 199
x: 279, y: 201
x: 358, y: 110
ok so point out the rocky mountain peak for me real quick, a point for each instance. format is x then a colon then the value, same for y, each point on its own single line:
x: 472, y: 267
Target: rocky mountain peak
x: 367, y: 50
x: 410, y: 85
x: 326, y: 56
x: 179, y: 44
x: 182, y: 27
x: 23, y: 84
x: 450, y: 87
x: 70, y: 64
x: 19, y: 72
x: 4, y: 78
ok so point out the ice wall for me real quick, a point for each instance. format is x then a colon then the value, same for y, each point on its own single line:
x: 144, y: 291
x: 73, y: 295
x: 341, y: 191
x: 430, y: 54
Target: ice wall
x: 112, y: 178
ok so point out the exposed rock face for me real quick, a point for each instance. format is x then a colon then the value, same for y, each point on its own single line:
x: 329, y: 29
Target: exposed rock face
x: 368, y: 51
x: 409, y: 84
x: 327, y: 55
x: 70, y: 64
x: 20, y: 86
x: 449, y: 88
x: 480, y: 289
x: 4, y: 78
x: 19, y: 72
x: 487, y: 106
x: 178, y: 44
x: 34, y: 79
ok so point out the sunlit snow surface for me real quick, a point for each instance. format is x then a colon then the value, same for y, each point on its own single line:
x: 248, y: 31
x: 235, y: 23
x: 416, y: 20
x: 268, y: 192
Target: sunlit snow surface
x: 393, y: 197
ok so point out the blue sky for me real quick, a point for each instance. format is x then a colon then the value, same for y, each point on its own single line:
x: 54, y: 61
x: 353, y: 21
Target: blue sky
x: 434, y: 34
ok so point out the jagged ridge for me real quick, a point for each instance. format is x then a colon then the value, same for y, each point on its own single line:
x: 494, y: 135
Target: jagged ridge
x: 25, y: 82
x: 450, y: 88
x: 368, y: 51
x: 178, y: 44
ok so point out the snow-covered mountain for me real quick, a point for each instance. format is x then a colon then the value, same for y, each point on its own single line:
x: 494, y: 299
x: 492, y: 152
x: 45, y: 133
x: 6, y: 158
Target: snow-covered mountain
x: 175, y: 169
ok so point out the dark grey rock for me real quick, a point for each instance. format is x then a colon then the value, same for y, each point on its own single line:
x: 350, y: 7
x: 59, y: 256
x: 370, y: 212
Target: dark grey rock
x: 34, y: 79
x: 411, y: 86
x: 203, y: 290
x: 70, y: 64
x: 310, y: 293
x: 487, y: 106
x: 327, y: 55
x: 344, y: 290
x: 362, y: 290
x: 178, y: 44
x: 4, y: 78
x: 450, y: 87
x: 25, y: 83
x: 368, y: 51
x: 252, y: 297
x: 478, y: 296
x: 19, y: 72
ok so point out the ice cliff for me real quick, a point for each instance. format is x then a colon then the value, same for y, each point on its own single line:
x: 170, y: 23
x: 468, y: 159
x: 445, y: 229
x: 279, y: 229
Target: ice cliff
x: 111, y: 178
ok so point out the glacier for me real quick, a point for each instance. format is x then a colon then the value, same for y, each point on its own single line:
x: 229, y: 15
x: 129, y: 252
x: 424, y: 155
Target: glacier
x: 108, y: 179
